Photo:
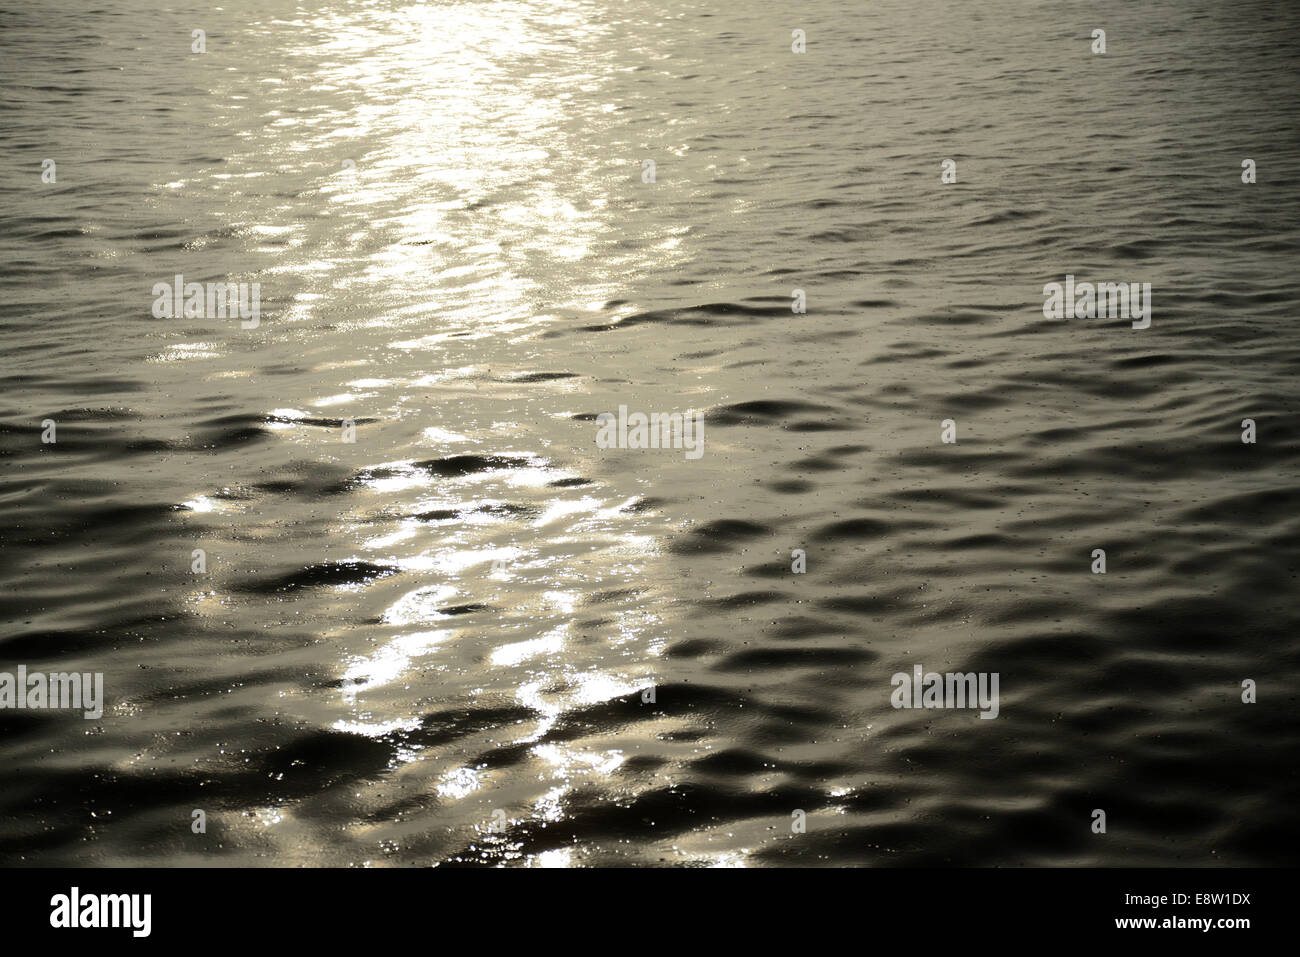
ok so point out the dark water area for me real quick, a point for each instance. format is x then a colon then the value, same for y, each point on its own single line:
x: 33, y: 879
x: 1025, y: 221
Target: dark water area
x: 472, y: 635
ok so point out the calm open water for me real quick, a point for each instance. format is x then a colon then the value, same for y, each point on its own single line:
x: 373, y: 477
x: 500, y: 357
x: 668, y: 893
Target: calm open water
x: 434, y: 644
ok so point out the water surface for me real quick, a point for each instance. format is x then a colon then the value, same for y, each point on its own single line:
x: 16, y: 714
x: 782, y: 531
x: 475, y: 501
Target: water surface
x: 462, y: 611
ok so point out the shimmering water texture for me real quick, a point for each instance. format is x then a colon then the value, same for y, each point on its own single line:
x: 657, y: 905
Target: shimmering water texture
x: 436, y: 644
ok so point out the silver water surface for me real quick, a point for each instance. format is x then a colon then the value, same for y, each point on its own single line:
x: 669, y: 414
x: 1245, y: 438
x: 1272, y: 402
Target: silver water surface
x: 459, y: 612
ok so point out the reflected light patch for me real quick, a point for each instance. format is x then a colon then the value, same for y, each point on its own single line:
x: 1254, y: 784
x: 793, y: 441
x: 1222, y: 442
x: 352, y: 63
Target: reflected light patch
x: 436, y: 436
x: 570, y: 760
x: 340, y: 398
x: 459, y: 783
x: 595, y: 687
x: 187, y: 350
x: 468, y: 558
x: 549, y: 643
x: 419, y: 606
x: 268, y: 816
x: 564, y: 601
x: 375, y: 729
x: 402, y: 534
x: 560, y: 857
x: 390, y: 662
x: 201, y: 503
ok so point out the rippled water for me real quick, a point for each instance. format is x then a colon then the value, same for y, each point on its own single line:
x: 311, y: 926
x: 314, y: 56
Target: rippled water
x: 461, y: 612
